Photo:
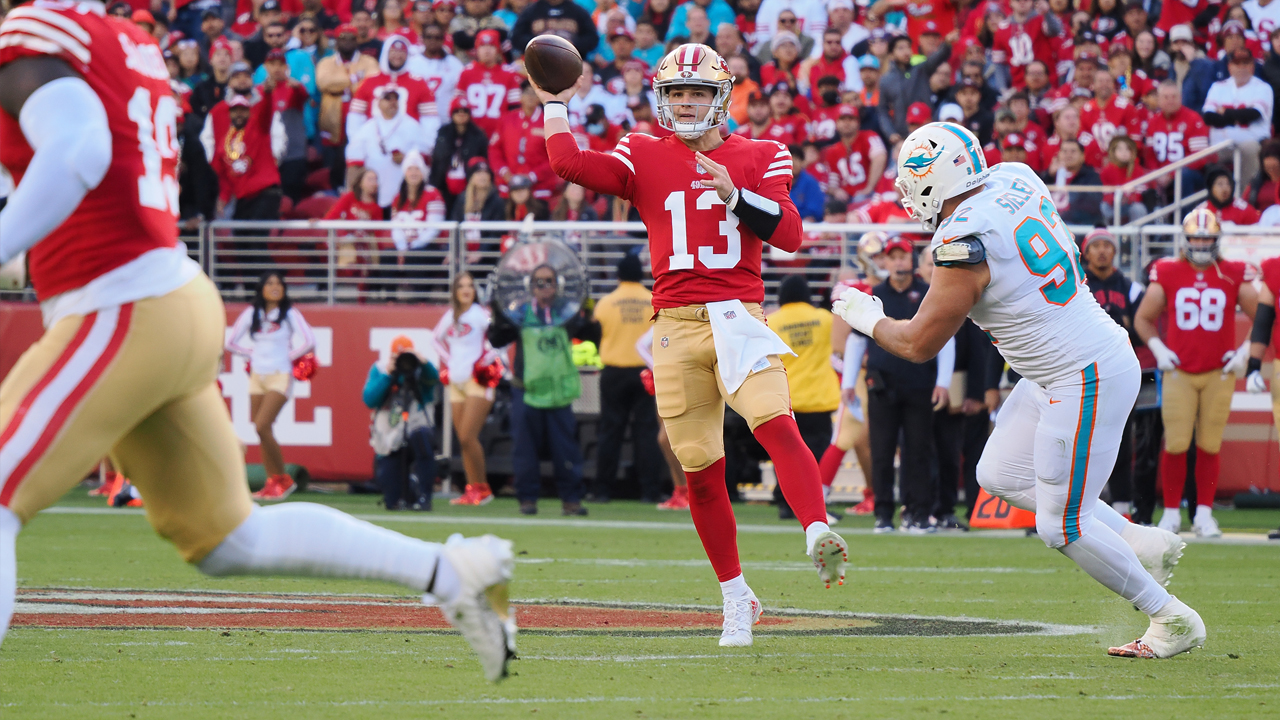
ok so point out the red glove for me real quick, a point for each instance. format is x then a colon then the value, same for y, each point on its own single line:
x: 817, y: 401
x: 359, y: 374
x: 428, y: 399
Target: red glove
x: 444, y: 375
x: 646, y: 378
x: 304, y: 368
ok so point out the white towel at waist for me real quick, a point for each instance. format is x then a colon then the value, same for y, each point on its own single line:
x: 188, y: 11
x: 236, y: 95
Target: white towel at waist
x: 743, y: 343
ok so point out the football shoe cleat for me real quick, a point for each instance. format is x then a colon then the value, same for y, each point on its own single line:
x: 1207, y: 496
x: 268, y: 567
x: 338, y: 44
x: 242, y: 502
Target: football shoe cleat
x: 481, y: 610
x: 740, y: 614
x: 1174, y: 629
x: 830, y: 554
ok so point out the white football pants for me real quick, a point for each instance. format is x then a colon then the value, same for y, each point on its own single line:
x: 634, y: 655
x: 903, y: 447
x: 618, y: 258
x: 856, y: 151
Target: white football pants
x: 1052, y: 452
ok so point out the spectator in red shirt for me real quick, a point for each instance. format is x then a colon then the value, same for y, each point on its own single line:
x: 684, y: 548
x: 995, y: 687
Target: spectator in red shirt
x: 918, y: 115
x: 520, y: 148
x: 759, y: 118
x: 857, y: 159
x: 355, y: 247
x: 244, y: 163
x: 417, y: 202
x: 794, y: 122
x: 786, y: 60
x: 1173, y: 133
x: 834, y: 62
x: 1222, y: 200
x: 521, y: 203
x: 1109, y: 113
x: 1066, y: 126
x: 1123, y: 166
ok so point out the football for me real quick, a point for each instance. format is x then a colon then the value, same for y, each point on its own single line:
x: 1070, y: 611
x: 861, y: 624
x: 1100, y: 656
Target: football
x: 553, y: 63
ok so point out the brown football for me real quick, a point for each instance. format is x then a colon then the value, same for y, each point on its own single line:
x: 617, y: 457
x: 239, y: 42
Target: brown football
x: 553, y: 63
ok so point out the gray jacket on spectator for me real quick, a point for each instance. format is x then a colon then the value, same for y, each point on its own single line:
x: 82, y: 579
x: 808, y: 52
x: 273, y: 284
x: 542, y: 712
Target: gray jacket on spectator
x: 899, y: 88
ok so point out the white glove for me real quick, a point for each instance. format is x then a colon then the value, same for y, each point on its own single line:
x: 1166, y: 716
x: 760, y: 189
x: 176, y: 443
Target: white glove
x: 860, y: 310
x: 1166, y: 359
x: 1254, y: 383
x: 1236, y: 361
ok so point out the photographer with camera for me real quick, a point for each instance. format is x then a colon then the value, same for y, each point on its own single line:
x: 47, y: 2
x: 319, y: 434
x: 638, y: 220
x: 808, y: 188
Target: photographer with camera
x: 545, y: 383
x: 401, y: 396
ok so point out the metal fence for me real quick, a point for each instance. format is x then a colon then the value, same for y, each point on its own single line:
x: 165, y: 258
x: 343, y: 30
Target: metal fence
x: 357, y: 261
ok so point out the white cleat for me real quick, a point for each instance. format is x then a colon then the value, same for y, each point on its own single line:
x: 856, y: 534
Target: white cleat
x: 1174, y: 629
x: 1157, y: 549
x: 482, y: 609
x: 1206, y: 526
x: 830, y: 555
x: 740, y: 614
x: 1171, y: 520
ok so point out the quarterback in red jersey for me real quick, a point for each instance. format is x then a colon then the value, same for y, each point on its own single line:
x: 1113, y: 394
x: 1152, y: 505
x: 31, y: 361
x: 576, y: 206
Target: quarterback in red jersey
x: 489, y: 87
x: 710, y: 203
x: 128, y: 363
x: 1263, y: 326
x: 1198, y: 293
x: 857, y: 158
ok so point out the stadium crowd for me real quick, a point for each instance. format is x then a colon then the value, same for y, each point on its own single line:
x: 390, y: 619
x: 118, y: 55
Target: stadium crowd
x: 420, y: 110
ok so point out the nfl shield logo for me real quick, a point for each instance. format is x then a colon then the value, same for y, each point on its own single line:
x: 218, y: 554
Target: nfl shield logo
x: 663, y: 341
x: 730, y: 315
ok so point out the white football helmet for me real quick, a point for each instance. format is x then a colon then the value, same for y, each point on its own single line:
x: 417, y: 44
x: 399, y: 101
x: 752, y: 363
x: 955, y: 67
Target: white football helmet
x: 938, y: 162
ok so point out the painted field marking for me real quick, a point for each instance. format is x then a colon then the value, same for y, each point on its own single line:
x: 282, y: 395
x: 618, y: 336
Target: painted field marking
x: 1228, y: 538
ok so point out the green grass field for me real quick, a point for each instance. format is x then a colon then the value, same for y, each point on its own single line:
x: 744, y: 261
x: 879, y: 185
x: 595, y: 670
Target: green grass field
x: 629, y: 553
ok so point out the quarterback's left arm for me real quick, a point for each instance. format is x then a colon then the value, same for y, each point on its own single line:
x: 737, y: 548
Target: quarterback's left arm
x: 767, y: 210
x: 64, y: 122
x: 955, y: 289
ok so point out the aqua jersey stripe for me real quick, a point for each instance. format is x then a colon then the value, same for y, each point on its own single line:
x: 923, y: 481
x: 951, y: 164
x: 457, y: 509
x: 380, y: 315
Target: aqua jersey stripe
x: 968, y: 145
x: 1080, y: 459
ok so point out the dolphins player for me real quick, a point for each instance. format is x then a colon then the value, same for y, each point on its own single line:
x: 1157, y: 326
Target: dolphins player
x: 1006, y: 259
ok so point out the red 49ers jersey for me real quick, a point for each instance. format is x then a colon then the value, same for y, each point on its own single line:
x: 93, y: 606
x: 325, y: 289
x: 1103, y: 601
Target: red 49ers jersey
x: 700, y: 252
x: 135, y: 207
x: 1271, y: 278
x: 1171, y: 139
x: 415, y: 95
x: 850, y: 165
x: 1200, y: 307
x: 489, y: 92
x: 1103, y: 122
x: 790, y: 130
x: 1017, y: 44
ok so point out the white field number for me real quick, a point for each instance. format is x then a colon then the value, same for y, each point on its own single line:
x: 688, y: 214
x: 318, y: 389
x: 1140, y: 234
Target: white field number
x: 1200, y: 308
x: 681, y: 258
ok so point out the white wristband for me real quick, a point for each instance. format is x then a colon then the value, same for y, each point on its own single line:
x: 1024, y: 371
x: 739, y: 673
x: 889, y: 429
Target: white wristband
x: 555, y: 110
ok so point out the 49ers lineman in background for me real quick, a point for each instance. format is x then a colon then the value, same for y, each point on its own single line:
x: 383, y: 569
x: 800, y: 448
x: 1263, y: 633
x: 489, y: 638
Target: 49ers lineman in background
x: 1198, y: 293
x: 129, y: 361
x: 709, y: 203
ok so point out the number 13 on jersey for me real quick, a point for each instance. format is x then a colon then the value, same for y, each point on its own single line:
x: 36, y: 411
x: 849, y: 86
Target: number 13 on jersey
x: 681, y: 258
x: 1047, y: 249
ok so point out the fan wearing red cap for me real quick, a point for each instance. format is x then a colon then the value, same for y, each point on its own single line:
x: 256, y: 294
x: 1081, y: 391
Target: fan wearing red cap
x: 1023, y: 37
x: 857, y: 158
x: 489, y: 87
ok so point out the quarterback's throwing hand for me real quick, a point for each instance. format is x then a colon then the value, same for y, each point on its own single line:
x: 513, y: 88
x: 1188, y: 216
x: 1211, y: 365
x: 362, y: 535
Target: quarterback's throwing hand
x: 860, y: 310
x: 720, y: 179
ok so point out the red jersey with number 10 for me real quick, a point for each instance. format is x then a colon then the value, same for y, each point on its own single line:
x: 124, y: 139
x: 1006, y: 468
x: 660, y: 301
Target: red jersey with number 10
x: 135, y: 207
x: 700, y: 252
x: 1200, y: 310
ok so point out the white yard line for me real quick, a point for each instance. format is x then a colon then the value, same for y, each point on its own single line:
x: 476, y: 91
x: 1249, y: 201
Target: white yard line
x: 787, y: 529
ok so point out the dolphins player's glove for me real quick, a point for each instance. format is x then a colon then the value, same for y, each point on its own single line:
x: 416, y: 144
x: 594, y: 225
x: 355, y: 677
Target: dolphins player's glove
x: 860, y: 310
x: 1166, y: 359
x: 1236, y: 361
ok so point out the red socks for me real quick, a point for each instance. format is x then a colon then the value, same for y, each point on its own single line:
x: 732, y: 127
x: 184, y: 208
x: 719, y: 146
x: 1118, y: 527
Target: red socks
x: 795, y: 467
x: 1208, y: 466
x: 830, y: 465
x: 1173, y: 476
x: 713, y: 518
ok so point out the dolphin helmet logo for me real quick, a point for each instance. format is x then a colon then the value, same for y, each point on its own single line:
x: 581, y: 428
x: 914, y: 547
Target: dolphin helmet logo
x: 921, y: 161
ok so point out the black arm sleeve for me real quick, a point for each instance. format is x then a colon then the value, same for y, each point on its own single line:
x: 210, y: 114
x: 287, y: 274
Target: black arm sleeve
x: 1214, y: 120
x: 760, y: 214
x: 1263, y: 320
x: 1248, y: 116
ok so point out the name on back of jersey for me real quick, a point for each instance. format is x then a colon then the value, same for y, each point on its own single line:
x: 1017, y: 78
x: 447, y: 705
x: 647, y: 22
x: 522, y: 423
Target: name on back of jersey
x: 1016, y: 196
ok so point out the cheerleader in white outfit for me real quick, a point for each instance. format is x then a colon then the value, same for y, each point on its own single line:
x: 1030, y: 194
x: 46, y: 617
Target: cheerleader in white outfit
x: 270, y: 324
x: 460, y: 343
